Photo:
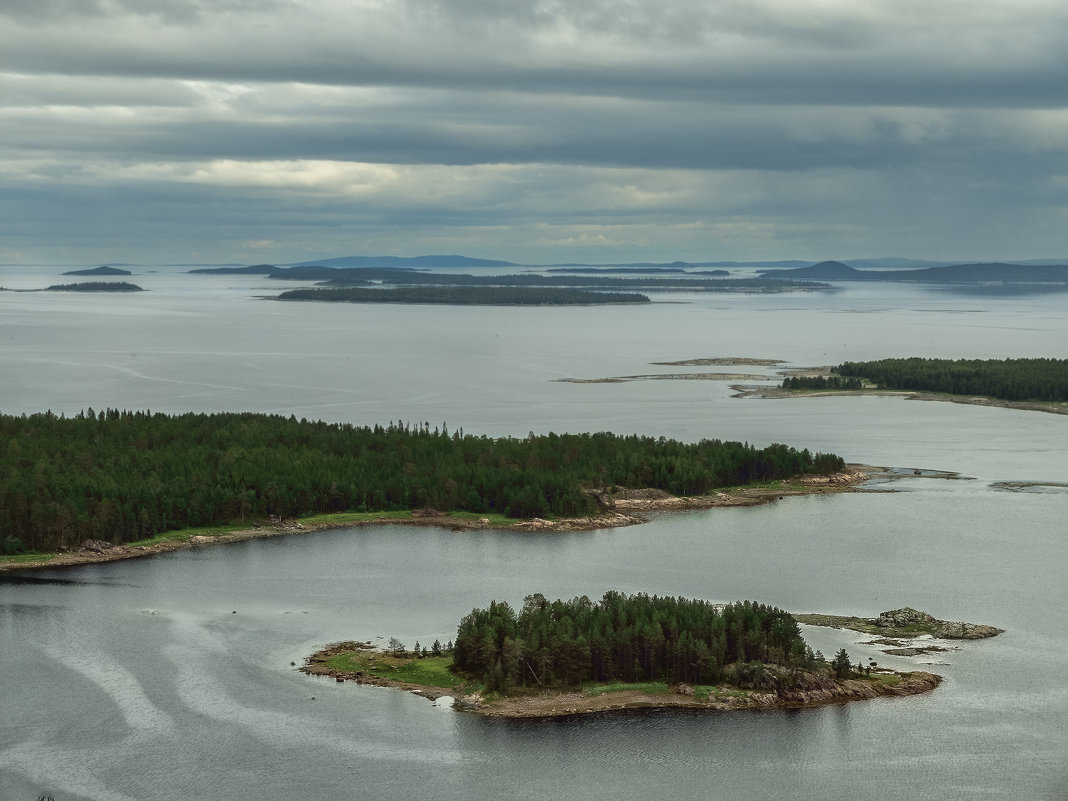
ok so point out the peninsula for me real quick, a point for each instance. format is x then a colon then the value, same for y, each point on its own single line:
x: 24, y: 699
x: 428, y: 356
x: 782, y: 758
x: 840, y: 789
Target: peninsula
x: 127, y: 477
x: 623, y: 652
x: 1030, y: 384
x: 617, y: 507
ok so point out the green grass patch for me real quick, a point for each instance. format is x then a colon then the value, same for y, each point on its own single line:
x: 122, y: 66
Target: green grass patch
x: 429, y: 671
x: 186, y: 534
x: 20, y: 558
x: 889, y: 679
x: 650, y: 687
x: 718, y: 692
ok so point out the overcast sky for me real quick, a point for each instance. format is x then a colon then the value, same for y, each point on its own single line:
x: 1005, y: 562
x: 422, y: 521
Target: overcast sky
x: 540, y: 132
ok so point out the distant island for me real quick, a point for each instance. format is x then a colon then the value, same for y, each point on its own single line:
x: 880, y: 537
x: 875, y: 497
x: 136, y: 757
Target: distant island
x: 988, y: 278
x: 992, y: 278
x: 105, y: 270
x: 396, y: 277
x: 624, y: 652
x: 467, y: 296
x: 420, y: 262
x: 96, y: 286
x: 638, y: 270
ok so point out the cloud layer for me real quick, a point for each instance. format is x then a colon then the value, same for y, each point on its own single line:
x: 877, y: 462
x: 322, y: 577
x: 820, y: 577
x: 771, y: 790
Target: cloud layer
x: 274, y: 130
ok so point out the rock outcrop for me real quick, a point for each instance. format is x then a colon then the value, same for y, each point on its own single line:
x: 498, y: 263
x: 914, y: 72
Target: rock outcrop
x: 908, y: 618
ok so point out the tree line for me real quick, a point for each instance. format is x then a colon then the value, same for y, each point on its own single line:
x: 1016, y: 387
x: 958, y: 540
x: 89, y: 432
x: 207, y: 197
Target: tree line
x: 821, y: 382
x: 1007, y: 379
x: 628, y: 638
x: 124, y: 476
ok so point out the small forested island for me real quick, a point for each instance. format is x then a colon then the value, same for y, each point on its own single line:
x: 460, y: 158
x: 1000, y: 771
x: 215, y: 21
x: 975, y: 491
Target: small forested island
x: 1021, y: 382
x: 104, y: 270
x: 623, y: 652
x: 96, y: 286
x: 468, y: 296
x: 118, y: 479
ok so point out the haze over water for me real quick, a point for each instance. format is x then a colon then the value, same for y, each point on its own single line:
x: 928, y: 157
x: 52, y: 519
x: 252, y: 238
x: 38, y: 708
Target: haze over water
x: 136, y: 680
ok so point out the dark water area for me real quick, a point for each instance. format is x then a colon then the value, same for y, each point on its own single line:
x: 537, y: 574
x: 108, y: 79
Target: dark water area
x: 171, y: 678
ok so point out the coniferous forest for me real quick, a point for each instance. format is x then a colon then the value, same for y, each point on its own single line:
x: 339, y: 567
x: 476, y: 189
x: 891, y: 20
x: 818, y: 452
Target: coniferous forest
x: 1043, y: 380
x: 123, y: 476
x: 634, y: 638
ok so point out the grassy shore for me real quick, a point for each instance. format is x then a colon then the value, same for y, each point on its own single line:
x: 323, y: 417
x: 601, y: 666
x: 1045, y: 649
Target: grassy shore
x: 234, y: 532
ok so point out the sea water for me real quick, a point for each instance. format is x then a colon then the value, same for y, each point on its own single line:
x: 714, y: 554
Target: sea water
x: 171, y: 677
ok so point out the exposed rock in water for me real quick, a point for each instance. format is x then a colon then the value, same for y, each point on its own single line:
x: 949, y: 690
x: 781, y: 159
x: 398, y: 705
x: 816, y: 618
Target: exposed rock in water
x: 905, y: 623
x: 911, y: 618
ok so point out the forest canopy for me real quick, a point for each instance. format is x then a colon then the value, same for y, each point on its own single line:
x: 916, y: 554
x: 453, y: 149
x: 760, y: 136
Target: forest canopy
x: 627, y: 638
x: 124, y: 476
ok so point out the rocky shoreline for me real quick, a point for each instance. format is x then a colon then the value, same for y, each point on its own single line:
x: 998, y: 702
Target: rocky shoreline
x: 814, y: 690
x: 575, y: 703
x: 619, y: 507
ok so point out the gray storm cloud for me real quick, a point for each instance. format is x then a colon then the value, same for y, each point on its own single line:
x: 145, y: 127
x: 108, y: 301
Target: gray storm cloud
x: 537, y: 132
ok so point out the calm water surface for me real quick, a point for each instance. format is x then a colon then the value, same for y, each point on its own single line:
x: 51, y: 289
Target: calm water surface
x: 170, y: 677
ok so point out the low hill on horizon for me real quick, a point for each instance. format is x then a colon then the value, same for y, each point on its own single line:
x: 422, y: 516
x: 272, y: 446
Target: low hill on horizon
x: 103, y: 270
x: 991, y: 273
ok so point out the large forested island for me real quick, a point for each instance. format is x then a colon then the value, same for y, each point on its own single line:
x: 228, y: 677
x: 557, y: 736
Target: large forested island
x: 96, y: 286
x: 1043, y: 381
x: 125, y: 476
x: 625, y: 651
